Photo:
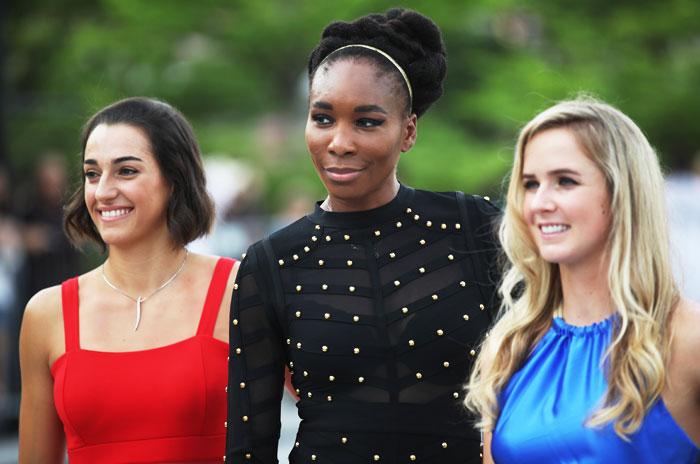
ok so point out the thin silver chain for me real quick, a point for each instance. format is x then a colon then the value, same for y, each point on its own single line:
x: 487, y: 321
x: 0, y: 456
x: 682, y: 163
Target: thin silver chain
x: 138, y: 300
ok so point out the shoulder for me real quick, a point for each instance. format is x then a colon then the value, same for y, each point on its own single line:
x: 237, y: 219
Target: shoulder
x: 301, y: 229
x: 42, y: 321
x: 684, y: 324
x: 686, y: 336
x: 447, y: 201
x: 205, y: 264
x: 45, y: 304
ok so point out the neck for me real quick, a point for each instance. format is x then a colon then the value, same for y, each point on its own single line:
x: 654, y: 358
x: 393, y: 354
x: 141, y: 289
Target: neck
x: 139, y: 270
x: 586, y: 293
x: 374, y: 200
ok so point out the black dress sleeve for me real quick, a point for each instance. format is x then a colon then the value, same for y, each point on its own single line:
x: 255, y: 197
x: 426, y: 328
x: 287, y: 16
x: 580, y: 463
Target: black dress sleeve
x: 484, y: 218
x: 256, y: 365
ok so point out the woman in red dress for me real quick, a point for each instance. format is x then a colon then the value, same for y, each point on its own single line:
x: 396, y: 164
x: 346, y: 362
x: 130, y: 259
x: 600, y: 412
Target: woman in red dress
x: 127, y: 362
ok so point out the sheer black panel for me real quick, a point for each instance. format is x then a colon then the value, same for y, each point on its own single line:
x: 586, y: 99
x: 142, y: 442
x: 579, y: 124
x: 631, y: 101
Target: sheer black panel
x: 377, y: 315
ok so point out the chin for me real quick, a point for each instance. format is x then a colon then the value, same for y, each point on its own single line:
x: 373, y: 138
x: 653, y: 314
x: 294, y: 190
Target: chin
x: 555, y: 256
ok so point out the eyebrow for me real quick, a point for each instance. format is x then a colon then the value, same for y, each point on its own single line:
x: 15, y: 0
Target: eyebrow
x: 555, y: 172
x: 322, y: 105
x: 370, y: 109
x: 121, y: 159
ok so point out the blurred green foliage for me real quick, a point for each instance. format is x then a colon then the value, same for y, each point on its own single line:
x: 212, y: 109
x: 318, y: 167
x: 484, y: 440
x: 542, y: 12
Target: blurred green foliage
x: 237, y: 70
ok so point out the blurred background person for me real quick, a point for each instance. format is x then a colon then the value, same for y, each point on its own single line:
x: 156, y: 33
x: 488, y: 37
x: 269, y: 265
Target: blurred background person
x: 11, y: 263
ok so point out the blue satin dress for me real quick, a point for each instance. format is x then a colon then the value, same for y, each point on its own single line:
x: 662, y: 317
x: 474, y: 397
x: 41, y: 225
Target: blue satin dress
x: 546, y: 403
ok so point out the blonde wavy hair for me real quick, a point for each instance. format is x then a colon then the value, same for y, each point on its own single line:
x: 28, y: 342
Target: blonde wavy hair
x: 639, y: 275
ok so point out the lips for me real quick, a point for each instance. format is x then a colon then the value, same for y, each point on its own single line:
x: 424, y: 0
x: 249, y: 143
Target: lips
x: 343, y: 174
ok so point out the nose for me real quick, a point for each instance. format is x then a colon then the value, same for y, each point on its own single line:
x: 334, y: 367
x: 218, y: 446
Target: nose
x: 542, y: 200
x: 342, y: 142
x: 106, y: 189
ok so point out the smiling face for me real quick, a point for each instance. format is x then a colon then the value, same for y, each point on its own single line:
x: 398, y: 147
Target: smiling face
x: 125, y: 192
x: 566, y: 202
x: 356, y: 130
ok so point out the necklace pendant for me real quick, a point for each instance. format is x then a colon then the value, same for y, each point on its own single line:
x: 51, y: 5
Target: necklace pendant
x: 139, y: 300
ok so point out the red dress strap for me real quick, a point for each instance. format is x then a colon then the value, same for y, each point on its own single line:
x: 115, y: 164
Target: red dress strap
x: 217, y: 286
x: 70, y: 302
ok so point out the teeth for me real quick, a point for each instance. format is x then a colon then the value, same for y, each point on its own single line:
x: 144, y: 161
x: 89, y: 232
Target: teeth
x: 551, y: 229
x: 114, y: 213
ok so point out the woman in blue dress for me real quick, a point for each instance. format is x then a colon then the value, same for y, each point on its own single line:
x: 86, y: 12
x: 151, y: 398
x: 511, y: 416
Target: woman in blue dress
x: 595, y: 356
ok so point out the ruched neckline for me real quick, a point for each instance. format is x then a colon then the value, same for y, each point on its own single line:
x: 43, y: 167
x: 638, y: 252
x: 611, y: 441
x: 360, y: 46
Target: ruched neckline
x: 600, y: 327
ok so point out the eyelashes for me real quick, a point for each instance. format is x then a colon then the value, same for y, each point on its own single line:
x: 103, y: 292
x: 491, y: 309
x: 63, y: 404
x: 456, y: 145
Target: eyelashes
x: 324, y: 120
x: 564, y: 181
x: 125, y: 171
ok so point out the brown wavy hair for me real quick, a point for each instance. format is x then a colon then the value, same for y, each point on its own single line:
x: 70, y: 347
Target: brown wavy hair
x: 190, y: 209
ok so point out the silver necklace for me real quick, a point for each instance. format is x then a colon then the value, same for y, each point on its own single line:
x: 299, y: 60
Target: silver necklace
x: 140, y: 299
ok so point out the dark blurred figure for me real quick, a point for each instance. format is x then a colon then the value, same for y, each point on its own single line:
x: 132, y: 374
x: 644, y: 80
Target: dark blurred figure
x: 49, y: 257
x: 11, y: 260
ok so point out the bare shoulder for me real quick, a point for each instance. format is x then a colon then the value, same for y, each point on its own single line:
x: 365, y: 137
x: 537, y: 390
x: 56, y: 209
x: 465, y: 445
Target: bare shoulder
x: 205, y: 262
x: 686, y: 336
x: 686, y: 320
x: 44, y: 307
x: 42, y: 325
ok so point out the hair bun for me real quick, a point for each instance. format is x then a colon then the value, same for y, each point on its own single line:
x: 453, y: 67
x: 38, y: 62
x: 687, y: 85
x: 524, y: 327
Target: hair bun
x: 410, y: 38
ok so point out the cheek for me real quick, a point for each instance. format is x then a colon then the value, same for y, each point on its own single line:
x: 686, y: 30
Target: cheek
x: 314, y: 142
x: 526, y: 209
x: 88, y: 195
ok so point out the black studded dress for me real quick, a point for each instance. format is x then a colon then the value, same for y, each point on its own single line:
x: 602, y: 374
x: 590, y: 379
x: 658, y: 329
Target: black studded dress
x: 377, y: 315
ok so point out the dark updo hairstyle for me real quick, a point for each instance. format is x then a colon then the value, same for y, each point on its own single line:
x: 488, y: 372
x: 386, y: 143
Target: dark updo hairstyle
x: 411, y: 39
x: 190, y: 210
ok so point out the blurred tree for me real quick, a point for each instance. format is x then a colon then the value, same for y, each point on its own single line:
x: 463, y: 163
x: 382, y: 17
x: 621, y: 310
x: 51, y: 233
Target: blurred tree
x: 237, y: 68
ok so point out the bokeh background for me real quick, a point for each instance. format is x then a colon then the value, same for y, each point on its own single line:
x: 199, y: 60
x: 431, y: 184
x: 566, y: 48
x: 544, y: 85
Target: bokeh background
x: 237, y: 70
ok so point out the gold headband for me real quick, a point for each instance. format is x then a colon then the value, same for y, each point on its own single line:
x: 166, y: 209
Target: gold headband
x: 385, y: 55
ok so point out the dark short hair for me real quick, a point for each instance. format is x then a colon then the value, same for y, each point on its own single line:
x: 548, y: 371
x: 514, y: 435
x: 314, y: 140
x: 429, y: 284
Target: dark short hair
x: 190, y: 210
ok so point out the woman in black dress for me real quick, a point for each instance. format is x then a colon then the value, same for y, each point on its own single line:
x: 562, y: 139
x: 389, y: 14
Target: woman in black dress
x: 376, y: 300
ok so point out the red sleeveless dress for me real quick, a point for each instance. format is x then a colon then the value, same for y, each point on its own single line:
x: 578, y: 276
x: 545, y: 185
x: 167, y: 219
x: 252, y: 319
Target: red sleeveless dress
x: 161, y: 405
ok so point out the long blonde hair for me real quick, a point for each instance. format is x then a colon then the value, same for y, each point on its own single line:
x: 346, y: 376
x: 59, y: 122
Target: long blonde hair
x: 639, y: 275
